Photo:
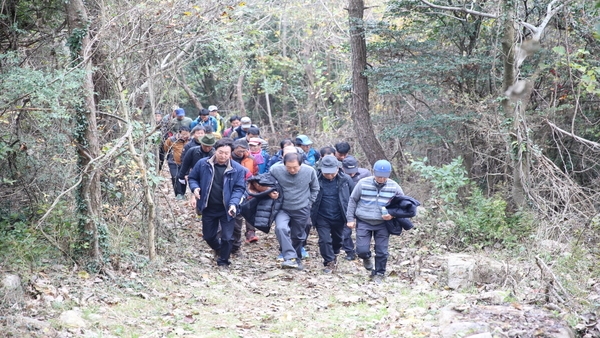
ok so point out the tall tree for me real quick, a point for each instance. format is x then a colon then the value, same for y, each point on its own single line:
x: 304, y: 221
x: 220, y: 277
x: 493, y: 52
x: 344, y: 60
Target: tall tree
x: 360, y: 85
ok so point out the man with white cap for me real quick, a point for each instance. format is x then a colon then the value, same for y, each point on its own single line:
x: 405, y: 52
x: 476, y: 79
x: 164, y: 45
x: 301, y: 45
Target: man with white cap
x: 214, y: 112
x: 328, y: 213
x: 240, y: 131
x: 367, y: 212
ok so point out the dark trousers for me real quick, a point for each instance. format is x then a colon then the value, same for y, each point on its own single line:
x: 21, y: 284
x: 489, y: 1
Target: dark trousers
x: 178, y: 188
x: 307, y: 230
x: 220, y: 242
x: 161, y: 156
x: 348, y: 243
x: 364, y: 233
x: 330, y: 237
x: 290, y: 228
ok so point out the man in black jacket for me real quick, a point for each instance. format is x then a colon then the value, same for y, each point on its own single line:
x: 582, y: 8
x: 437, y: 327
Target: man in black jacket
x: 328, y: 213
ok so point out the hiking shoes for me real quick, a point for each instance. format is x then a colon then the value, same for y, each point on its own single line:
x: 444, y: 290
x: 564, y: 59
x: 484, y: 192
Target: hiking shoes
x: 304, y: 254
x: 330, y: 267
x: 280, y: 257
x: 251, y: 237
x: 377, y: 278
x: 368, y: 263
x: 300, y: 265
x: 290, y: 264
x: 350, y: 257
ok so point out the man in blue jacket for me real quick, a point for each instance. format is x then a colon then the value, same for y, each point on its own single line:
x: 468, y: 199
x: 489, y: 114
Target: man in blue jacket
x: 218, y: 185
x: 328, y: 213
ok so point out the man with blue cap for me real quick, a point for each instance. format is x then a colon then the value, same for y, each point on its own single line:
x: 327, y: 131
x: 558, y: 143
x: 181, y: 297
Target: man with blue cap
x: 366, y: 211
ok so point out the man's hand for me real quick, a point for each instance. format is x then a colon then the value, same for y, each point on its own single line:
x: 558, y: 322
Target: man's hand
x: 387, y: 217
x: 232, y: 210
x: 274, y: 194
x: 197, y: 193
x: 351, y: 225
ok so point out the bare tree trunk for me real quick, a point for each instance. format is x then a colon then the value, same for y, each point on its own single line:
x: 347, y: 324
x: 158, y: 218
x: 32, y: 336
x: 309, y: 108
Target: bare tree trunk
x: 360, y: 87
x: 269, y: 110
x: 240, y: 93
x: 86, y: 133
x: 189, y: 92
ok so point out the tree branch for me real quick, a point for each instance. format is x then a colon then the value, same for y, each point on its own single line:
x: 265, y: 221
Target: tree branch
x: 461, y: 9
x: 592, y: 144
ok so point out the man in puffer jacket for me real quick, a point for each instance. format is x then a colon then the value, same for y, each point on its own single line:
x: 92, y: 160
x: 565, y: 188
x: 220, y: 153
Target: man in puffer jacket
x: 366, y: 211
x: 263, y: 202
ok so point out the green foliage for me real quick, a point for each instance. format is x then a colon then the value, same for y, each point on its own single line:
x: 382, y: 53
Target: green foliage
x: 478, y: 220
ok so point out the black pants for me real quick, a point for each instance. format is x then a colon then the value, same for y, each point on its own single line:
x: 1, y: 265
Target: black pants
x: 178, y: 188
x: 348, y: 244
x: 330, y: 238
x: 220, y: 242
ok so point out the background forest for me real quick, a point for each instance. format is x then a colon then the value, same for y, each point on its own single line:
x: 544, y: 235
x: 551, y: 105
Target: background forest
x: 488, y: 110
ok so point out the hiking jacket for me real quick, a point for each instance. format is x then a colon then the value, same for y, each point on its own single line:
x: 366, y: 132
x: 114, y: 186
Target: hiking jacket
x: 210, y: 122
x: 344, y: 188
x: 312, y: 157
x: 175, y: 124
x: 239, y: 132
x: 401, y: 208
x: 234, y: 185
x: 174, y: 147
x: 368, y: 198
x: 191, y: 157
x: 248, y: 163
x: 260, y: 209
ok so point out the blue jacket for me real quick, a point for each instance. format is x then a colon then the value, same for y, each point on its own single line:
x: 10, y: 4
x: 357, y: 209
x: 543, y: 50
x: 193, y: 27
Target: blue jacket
x: 234, y: 183
x: 211, y: 121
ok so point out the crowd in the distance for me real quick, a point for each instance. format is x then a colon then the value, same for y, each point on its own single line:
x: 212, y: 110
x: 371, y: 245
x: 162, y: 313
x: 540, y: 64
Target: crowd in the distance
x: 234, y: 180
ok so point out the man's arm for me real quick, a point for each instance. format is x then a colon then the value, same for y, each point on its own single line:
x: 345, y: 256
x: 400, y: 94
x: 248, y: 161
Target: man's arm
x: 354, y: 198
x: 314, y: 186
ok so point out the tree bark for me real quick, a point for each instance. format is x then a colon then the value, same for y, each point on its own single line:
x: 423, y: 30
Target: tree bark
x: 189, y: 92
x: 240, y: 93
x: 360, y: 87
x: 86, y: 133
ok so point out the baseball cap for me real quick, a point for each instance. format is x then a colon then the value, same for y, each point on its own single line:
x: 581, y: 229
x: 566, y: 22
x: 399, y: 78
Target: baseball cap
x: 382, y: 168
x: 203, y: 111
x: 255, y: 141
x: 180, y: 112
x: 329, y: 164
x: 212, y: 108
x: 304, y: 140
x: 246, y: 122
x: 350, y: 165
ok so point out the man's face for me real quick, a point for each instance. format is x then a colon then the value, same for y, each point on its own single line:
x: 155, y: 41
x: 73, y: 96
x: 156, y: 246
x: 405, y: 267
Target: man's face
x: 305, y: 148
x: 180, y: 117
x: 157, y: 117
x: 331, y: 176
x: 236, y: 123
x: 206, y: 149
x: 204, y: 117
x: 340, y: 156
x: 184, y: 135
x: 213, y: 113
x: 292, y: 167
x: 249, y: 136
x: 222, y: 155
x: 198, y: 134
x: 239, y: 152
x: 381, y: 180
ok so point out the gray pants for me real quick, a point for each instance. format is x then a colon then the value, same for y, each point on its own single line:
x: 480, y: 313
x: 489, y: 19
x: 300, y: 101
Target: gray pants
x: 381, y: 237
x: 290, y: 228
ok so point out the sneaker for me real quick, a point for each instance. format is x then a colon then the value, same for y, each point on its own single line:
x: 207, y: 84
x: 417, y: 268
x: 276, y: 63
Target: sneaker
x: 280, y: 257
x: 304, y: 253
x: 350, y: 257
x: 251, y: 237
x: 198, y: 218
x: 289, y: 264
x: 179, y: 197
x: 377, y: 279
x: 368, y: 263
x: 300, y: 265
x: 330, y: 267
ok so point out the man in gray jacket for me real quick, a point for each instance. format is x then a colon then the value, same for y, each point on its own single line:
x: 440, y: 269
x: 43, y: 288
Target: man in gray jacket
x: 298, y: 181
x: 366, y: 211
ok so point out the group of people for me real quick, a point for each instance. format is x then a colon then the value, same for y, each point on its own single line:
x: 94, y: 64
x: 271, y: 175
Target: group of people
x: 233, y: 179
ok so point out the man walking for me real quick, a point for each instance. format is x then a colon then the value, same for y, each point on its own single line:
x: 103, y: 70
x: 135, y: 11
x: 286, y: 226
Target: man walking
x: 218, y: 185
x: 173, y: 147
x: 328, y: 213
x: 300, y: 187
x: 366, y: 211
x: 350, y: 167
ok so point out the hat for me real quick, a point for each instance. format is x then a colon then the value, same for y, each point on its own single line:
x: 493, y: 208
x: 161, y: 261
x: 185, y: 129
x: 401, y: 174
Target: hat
x: 350, y: 165
x: 303, y: 140
x: 253, y: 131
x: 329, y: 164
x: 203, y: 111
x: 212, y: 108
x: 241, y: 143
x: 180, y: 112
x: 382, y: 168
x: 255, y: 141
x: 208, y: 140
x: 246, y: 122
